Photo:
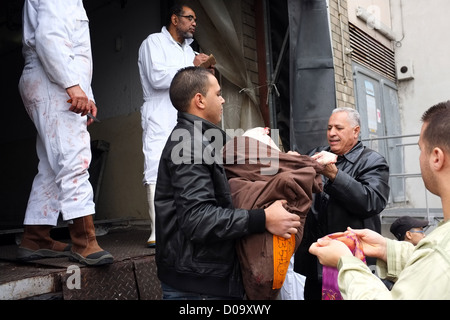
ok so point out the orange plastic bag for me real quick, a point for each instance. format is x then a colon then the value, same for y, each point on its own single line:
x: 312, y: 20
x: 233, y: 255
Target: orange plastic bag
x: 283, y: 249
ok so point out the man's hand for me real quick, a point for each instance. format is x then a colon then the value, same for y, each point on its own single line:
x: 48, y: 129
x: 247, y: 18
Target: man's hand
x: 79, y: 101
x: 330, y: 171
x: 329, y: 251
x: 281, y: 222
x: 93, y: 110
x: 200, y: 58
x: 374, y: 244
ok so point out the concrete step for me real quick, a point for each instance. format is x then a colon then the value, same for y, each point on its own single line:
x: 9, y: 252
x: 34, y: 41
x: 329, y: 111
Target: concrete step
x: 132, y: 276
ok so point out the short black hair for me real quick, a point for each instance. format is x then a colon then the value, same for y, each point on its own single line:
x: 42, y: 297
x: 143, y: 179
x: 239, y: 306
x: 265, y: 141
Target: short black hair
x: 176, y: 9
x: 186, y: 84
x: 437, y: 132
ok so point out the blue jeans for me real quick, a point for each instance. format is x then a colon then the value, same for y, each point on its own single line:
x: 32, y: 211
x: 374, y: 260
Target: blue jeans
x: 170, y: 293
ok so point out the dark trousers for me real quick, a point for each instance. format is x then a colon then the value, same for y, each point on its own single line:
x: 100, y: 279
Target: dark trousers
x: 170, y: 293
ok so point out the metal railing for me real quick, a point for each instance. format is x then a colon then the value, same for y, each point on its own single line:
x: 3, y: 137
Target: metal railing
x: 404, y: 176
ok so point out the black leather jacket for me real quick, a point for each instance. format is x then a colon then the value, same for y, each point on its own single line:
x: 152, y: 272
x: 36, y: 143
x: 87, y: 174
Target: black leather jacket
x: 354, y: 199
x: 196, y: 223
x: 358, y: 194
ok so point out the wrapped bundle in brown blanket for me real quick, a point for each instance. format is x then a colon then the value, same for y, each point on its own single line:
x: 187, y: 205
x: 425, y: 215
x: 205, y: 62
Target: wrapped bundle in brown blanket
x: 258, y: 176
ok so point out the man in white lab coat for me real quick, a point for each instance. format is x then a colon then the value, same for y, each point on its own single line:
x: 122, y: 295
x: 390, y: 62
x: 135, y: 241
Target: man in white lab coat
x: 161, y: 55
x: 56, y: 90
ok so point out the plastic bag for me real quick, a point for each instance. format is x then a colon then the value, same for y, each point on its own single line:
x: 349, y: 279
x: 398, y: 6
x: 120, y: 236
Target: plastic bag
x: 294, y: 284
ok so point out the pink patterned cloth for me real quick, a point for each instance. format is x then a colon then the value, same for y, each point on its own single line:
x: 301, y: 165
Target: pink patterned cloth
x: 330, y: 288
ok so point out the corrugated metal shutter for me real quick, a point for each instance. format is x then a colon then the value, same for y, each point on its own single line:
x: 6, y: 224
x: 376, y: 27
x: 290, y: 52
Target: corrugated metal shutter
x: 371, y: 53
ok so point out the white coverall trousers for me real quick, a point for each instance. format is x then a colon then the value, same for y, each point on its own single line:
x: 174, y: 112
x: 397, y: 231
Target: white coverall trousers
x: 160, y: 58
x: 155, y: 135
x: 63, y: 148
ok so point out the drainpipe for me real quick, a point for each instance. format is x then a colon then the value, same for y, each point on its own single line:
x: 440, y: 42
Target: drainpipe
x: 343, y: 51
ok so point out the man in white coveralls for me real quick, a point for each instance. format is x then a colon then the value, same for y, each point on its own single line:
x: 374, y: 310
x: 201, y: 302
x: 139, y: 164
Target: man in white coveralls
x: 161, y: 55
x: 56, y: 90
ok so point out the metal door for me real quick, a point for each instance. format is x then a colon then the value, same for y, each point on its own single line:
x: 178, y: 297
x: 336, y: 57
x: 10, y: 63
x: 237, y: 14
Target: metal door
x: 377, y: 103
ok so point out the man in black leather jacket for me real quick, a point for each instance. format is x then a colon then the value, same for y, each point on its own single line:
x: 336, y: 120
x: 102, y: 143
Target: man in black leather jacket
x: 196, y: 223
x: 356, y: 189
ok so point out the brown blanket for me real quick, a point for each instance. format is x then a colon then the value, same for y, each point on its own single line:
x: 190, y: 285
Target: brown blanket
x: 264, y: 257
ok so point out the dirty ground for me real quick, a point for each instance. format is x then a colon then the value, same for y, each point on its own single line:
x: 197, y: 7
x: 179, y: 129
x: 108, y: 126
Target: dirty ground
x: 132, y: 276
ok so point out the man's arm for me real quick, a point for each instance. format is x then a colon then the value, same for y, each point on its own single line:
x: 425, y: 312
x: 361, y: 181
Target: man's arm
x: 203, y: 219
x: 355, y: 279
x: 58, y: 23
x: 54, y: 35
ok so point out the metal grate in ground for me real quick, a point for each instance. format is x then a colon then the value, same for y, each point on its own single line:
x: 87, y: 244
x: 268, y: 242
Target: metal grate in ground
x: 132, y: 276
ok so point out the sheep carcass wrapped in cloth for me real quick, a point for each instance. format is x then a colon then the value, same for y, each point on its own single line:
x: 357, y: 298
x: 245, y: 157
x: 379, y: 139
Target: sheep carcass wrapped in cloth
x: 259, y: 175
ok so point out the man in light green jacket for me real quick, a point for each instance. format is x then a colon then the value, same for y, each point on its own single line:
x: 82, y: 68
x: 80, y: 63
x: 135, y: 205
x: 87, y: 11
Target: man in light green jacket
x: 420, y: 272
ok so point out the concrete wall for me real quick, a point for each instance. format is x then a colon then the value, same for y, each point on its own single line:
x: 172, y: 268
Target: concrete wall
x: 421, y: 26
